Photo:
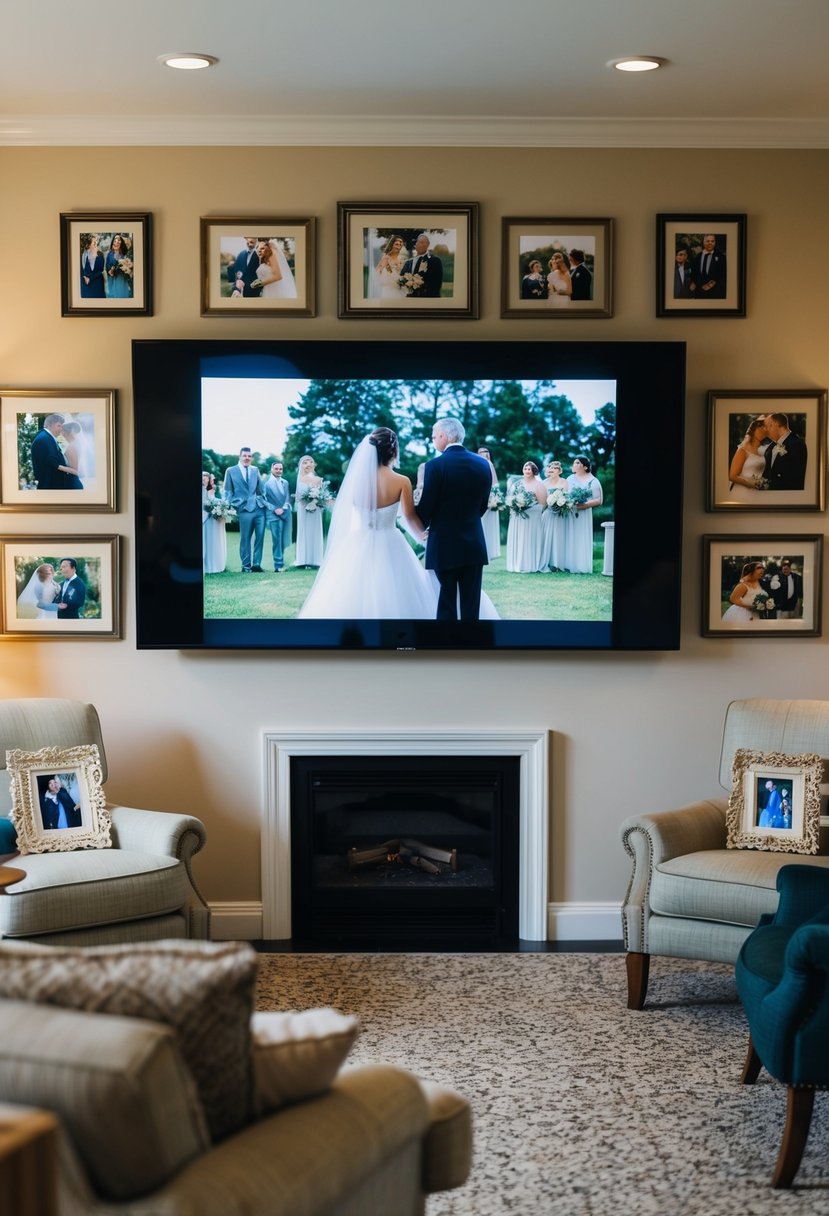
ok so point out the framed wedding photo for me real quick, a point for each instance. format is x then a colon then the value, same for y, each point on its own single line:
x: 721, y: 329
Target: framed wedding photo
x: 59, y: 587
x: 556, y: 269
x: 761, y: 586
x: 774, y: 803
x: 57, y: 449
x: 415, y: 261
x: 260, y: 266
x: 58, y: 801
x: 700, y: 265
x: 106, y: 263
x: 766, y: 450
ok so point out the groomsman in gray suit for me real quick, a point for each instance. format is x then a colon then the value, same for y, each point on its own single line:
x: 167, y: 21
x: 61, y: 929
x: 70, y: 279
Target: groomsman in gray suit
x: 243, y: 490
x: 278, y: 513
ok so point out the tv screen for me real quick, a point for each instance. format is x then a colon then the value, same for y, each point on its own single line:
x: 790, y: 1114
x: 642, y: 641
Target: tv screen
x: 307, y: 533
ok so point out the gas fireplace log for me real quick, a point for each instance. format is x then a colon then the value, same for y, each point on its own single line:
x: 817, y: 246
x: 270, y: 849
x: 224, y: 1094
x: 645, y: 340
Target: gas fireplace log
x: 411, y: 858
x: 367, y: 857
x: 447, y: 856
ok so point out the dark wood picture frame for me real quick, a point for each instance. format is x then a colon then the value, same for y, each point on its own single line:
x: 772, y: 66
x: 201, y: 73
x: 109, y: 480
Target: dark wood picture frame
x: 115, y: 286
x: 715, y: 289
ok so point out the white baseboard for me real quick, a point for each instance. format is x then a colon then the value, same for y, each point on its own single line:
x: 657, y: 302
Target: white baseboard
x: 236, y: 922
x: 569, y: 922
x: 582, y: 922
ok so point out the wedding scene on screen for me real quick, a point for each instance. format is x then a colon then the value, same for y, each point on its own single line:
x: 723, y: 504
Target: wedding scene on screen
x: 311, y: 487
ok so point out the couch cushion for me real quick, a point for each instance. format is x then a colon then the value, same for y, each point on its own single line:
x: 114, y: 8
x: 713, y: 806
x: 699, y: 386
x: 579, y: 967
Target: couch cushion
x: 447, y: 1146
x: 72, y: 890
x: 120, y: 1085
x: 204, y: 990
x: 298, y: 1055
x: 734, y: 886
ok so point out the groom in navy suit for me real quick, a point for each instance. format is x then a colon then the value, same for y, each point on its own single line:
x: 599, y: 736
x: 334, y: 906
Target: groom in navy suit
x: 48, y: 460
x: 456, y: 488
x: 242, y: 272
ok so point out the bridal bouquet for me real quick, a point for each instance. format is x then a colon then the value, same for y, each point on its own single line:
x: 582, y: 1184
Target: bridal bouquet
x: 317, y: 498
x: 760, y: 482
x: 763, y: 605
x: 411, y: 283
x: 520, y: 499
x: 222, y: 510
x: 125, y: 266
x: 496, y: 502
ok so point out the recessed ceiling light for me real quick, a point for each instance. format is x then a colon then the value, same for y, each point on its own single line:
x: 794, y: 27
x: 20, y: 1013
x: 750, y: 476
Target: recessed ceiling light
x: 637, y: 63
x: 188, y: 61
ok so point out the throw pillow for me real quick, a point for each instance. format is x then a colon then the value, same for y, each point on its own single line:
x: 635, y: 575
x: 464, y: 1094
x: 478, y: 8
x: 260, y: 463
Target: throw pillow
x: 204, y: 990
x: 8, y: 836
x: 298, y: 1055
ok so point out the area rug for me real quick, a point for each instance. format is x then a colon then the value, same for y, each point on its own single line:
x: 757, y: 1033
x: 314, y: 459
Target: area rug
x: 581, y: 1107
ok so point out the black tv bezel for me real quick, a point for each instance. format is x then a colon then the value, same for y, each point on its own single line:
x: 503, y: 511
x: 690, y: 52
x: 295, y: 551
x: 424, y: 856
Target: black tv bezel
x: 650, y: 380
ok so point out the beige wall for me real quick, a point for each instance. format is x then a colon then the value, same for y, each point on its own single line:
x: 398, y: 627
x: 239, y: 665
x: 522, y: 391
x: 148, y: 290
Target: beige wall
x: 632, y: 732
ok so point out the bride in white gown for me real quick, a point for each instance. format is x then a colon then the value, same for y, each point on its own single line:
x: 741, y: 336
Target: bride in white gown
x: 37, y: 600
x: 748, y: 466
x: 274, y: 273
x: 385, y: 280
x: 744, y: 595
x: 370, y: 571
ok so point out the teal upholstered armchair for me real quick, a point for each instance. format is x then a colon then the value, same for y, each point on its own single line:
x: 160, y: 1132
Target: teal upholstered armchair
x: 783, y: 981
x: 141, y: 889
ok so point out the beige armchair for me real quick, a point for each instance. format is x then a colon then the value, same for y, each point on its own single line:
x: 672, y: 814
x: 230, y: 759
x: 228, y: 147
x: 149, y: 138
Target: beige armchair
x: 689, y: 896
x: 141, y: 889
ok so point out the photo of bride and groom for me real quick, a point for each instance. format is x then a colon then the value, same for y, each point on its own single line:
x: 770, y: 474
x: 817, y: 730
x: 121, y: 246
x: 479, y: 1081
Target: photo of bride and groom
x: 257, y: 267
x: 55, y: 590
x: 56, y: 451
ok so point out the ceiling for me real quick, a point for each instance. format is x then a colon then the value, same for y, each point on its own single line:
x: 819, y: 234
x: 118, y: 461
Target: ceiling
x: 740, y: 72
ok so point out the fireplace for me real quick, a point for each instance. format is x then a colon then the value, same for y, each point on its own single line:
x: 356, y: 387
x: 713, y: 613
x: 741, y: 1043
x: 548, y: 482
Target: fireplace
x: 421, y: 750
x: 403, y: 852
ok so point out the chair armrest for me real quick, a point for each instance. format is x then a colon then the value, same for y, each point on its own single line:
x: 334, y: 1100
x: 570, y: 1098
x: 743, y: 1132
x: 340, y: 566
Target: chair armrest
x: 650, y: 840
x: 158, y: 832
x: 804, y: 894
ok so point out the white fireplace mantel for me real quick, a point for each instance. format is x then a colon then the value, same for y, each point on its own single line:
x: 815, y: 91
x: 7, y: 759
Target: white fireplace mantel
x: 531, y: 747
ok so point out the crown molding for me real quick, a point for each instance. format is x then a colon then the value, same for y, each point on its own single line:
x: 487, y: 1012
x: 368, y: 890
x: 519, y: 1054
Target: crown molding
x: 368, y: 130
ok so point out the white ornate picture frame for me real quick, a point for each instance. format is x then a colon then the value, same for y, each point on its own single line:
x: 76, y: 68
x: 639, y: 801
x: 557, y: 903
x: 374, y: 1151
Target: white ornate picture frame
x: 774, y: 803
x: 58, y: 801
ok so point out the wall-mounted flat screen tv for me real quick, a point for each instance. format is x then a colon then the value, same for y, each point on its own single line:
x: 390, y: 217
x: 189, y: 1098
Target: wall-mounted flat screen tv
x: 251, y: 455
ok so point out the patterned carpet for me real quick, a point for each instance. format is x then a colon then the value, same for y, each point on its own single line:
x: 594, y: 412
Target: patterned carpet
x: 581, y: 1107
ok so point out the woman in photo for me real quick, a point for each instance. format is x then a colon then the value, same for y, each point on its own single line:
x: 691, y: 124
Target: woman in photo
x: 77, y: 451
x: 741, y: 607
x: 92, y: 269
x: 274, y: 280
x: 214, y: 536
x: 308, y: 522
x: 389, y: 269
x: 552, y: 521
x: 118, y: 270
x: 524, y: 531
x: 748, y: 466
x: 578, y: 530
x: 559, y: 285
x: 534, y: 284
x: 38, y: 599
x: 370, y: 571
x: 492, y: 519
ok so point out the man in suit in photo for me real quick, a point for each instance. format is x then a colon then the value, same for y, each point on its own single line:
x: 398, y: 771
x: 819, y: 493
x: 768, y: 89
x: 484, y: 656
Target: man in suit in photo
x: 243, y: 490
x: 428, y: 265
x: 683, y: 279
x: 57, y: 810
x: 242, y: 272
x: 48, y: 465
x: 456, y: 486
x: 278, y: 513
x: 786, y: 455
x: 789, y: 596
x: 581, y: 279
x: 72, y: 591
x: 709, y: 271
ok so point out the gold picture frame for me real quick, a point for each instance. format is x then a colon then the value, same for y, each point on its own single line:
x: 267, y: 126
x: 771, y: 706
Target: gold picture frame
x: 529, y: 251
x: 58, y: 802
x: 774, y: 803
x: 33, y: 572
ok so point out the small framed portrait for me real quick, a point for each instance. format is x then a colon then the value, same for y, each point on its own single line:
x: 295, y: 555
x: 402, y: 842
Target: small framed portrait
x: 257, y: 266
x: 761, y: 586
x: 701, y: 265
x: 106, y: 263
x: 417, y: 261
x: 58, y: 801
x: 774, y: 803
x: 57, y: 449
x: 766, y: 450
x: 59, y: 587
x: 556, y: 268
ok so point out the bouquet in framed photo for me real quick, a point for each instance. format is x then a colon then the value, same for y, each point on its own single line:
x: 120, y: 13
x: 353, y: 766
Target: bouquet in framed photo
x: 317, y: 498
x: 560, y: 502
x: 497, y: 501
x: 764, y: 607
x: 221, y: 509
x: 520, y: 499
x: 411, y: 283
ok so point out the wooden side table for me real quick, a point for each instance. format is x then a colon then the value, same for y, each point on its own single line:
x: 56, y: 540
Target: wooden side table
x: 28, y: 1162
x: 9, y: 875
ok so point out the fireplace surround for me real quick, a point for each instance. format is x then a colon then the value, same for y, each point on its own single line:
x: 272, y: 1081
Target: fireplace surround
x: 531, y: 748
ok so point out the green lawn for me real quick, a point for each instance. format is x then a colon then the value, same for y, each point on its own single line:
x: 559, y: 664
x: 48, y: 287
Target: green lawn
x: 517, y: 597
